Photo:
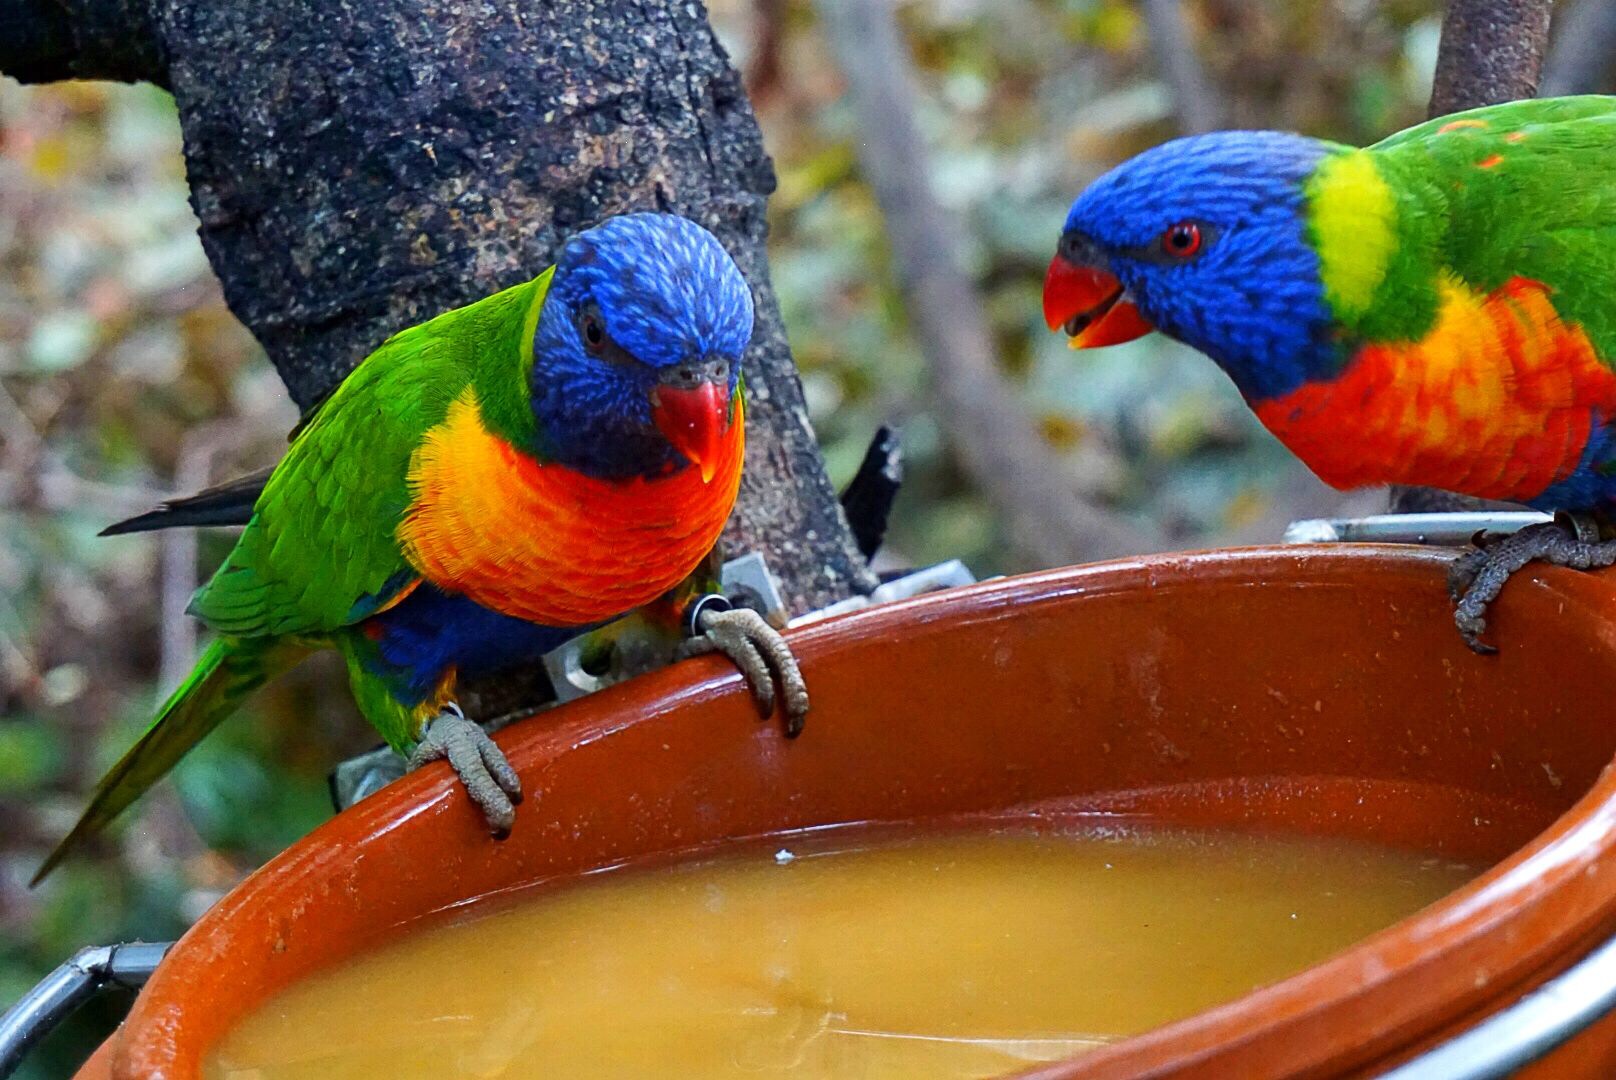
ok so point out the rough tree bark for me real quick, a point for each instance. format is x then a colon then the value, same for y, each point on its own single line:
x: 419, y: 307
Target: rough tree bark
x: 358, y: 168
x: 1491, y: 51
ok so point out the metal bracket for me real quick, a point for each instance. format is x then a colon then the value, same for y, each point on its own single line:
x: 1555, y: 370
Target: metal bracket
x: 86, y: 974
x: 944, y: 575
x: 1442, y: 530
x: 745, y: 580
x: 363, y: 775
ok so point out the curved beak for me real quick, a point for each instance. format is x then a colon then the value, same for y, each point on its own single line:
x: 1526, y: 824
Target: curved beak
x: 690, y: 406
x: 1090, y: 304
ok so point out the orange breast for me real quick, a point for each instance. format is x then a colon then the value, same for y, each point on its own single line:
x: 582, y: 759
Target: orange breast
x: 1497, y: 401
x: 547, y: 543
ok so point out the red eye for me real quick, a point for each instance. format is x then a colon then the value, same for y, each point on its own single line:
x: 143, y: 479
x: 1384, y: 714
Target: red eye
x: 1182, y: 240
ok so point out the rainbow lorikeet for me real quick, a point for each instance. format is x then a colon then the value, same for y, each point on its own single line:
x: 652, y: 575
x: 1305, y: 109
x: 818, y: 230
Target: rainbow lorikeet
x: 480, y: 489
x: 1438, y: 309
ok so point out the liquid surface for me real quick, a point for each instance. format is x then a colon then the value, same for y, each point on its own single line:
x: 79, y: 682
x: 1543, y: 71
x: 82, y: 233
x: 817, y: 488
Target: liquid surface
x: 951, y: 956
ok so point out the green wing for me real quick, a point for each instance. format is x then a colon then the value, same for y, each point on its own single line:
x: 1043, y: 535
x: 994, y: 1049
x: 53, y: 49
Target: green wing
x: 321, y: 551
x: 1525, y: 189
x: 319, y: 547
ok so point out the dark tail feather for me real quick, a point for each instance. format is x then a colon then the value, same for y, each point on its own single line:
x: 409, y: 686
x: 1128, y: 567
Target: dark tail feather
x: 229, y: 503
x: 867, y: 499
x: 228, y: 671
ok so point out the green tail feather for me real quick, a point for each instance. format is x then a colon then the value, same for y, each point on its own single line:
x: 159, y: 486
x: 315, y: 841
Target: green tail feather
x: 228, y: 671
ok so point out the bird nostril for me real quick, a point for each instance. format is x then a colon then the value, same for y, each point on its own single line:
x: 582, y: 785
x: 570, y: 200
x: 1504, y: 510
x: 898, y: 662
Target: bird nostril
x: 694, y: 372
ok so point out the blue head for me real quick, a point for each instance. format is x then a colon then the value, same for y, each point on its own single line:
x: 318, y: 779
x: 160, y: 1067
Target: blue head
x: 1205, y: 239
x: 638, y: 348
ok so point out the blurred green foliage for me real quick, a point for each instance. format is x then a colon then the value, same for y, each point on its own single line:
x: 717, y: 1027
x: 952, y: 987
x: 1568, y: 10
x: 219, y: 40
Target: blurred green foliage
x: 122, y: 376
x: 119, y: 367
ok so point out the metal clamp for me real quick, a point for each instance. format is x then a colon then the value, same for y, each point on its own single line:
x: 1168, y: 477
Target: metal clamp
x: 85, y: 975
x: 747, y: 582
x: 708, y: 602
x: 943, y: 575
x: 744, y: 580
x: 1442, y: 530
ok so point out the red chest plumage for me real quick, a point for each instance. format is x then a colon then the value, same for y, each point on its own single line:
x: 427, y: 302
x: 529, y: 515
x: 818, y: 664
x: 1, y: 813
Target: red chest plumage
x: 1497, y: 401
x: 546, y: 543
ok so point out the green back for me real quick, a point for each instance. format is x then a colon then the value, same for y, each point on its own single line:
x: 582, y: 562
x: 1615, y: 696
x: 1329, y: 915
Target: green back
x: 321, y: 551
x: 1543, y: 208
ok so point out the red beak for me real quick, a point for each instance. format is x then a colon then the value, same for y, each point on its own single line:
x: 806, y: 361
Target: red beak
x: 1088, y: 303
x: 693, y: 419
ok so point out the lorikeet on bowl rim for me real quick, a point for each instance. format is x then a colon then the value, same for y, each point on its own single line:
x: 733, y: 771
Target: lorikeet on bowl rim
x: 1438, y: 309
x: 480, y: 489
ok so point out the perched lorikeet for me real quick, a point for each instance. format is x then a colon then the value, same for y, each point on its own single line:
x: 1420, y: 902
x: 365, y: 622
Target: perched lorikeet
x: 1438, y: 309
x: 480, y: 489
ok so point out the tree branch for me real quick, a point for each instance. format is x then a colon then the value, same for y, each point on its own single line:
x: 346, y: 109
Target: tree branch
x: 359, y: 168
x: 1491, y: 51
x: 990, y: 433
x: 1196, y: 101
x: 1583, y: 57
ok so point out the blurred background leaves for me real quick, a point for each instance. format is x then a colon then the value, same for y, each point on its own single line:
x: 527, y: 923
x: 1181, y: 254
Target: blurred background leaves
x: 123, y: 378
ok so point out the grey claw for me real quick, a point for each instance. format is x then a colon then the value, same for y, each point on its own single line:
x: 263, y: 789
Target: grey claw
x: 1476, y: 578
x: 1471, y: 620
x: 763, y: 657
x: 483, y: 771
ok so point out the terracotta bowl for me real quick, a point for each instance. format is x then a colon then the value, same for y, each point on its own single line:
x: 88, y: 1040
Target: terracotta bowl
x: 1322, y: 690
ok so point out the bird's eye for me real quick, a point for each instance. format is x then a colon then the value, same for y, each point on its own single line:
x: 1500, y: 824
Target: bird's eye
x: 593, y: 331
x: 1182, y: 240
